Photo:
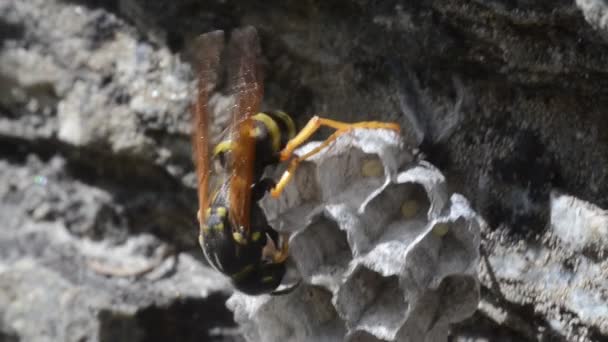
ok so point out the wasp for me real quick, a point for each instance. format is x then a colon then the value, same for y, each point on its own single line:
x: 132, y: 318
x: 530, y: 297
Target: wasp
x: 234, y: 234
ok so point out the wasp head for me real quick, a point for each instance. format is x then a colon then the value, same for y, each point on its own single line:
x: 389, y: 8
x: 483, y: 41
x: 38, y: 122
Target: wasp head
x: 265, y: 277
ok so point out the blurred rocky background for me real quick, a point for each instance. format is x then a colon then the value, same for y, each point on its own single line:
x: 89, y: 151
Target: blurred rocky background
x: 507, y: 97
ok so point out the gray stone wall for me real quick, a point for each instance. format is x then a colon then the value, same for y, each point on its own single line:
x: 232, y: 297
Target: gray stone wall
x: 506, y: 98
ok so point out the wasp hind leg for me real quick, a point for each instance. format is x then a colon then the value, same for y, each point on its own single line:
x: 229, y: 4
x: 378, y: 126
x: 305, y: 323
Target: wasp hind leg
x: 311, y: 127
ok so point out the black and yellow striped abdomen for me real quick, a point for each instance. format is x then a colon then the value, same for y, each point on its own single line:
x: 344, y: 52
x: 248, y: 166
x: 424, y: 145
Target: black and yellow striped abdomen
x: 235, y: 253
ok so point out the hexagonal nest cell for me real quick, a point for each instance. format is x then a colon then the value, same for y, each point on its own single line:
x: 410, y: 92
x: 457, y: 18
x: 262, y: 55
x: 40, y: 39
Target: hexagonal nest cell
x: 320, y: 251
x: 378, y: 243
x: 379, y: 307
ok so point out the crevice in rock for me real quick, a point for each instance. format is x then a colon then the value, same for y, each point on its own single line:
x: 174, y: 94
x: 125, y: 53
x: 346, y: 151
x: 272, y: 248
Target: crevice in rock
x: 522, y: 318
x: 135, y: 186
x: 8, y: 337
x: 188, y: 319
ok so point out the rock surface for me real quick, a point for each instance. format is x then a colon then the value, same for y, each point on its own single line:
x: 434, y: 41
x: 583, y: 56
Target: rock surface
x: 61, y: 239
x: 506, y: 98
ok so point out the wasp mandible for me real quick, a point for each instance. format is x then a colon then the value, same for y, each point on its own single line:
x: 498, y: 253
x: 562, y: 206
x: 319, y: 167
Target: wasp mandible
x: 234, y: 233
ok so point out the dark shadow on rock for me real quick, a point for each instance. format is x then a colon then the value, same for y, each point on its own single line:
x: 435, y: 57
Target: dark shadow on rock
x: 8, y: 337
x: 10, y: 30
x: 145, y: 198
x: 190, y: 319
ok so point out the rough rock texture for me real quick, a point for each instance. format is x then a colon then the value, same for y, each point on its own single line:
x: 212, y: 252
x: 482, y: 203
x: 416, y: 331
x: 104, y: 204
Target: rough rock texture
x: 60, y: 237
x: 506, y: 98
x: 379, y: 246
x: 596, y: 13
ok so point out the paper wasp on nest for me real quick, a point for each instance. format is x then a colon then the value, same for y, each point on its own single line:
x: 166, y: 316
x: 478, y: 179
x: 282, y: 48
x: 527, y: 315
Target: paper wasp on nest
x: 234, y: 233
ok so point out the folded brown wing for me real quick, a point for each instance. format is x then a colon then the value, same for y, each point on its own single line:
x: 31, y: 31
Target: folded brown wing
x: 244, y: 79
x: 208, y: 48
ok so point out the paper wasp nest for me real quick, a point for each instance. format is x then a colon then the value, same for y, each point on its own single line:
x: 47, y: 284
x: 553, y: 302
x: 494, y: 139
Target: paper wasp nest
x: 383, y: 252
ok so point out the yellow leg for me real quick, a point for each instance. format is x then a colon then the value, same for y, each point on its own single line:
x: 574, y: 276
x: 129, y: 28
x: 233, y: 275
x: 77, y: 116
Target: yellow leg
x: 293, y: 164
x: 316, y: 122
x: 281, y: 255
x: 311, y: 127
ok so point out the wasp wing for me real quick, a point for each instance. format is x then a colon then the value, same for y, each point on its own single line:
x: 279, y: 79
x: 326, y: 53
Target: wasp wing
x: 208, y: 49
x: 245, y: 80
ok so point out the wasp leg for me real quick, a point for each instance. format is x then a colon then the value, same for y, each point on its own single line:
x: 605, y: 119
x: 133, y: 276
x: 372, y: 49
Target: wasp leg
x: 293, y: 165
x: 281, y: 255
x: 343, y: 127
x: 271, y: 252
x: 311, y: 127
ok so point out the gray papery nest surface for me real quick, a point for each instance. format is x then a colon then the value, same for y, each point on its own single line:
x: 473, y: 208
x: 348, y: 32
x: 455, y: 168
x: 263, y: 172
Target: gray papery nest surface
x: 382, y: 249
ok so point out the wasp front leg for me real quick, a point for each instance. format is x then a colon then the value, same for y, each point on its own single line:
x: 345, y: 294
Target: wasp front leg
x: 311, y: 127
x: 276, y: 254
